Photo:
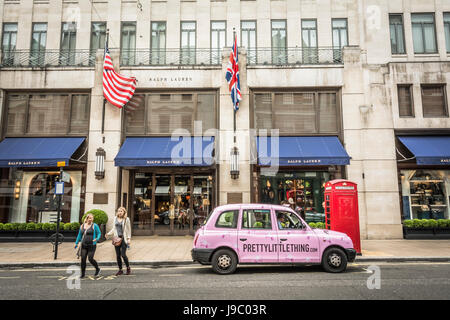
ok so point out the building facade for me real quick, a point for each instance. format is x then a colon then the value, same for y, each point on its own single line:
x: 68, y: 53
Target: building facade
x: 352, y: 89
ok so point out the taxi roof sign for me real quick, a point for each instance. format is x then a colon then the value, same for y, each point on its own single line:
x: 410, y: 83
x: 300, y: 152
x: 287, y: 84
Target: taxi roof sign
x: 61, y: 164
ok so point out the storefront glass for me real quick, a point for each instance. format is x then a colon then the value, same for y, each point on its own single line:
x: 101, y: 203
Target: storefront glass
x: 304, y: 188
x: 29, y: 196
x: 425, y: 194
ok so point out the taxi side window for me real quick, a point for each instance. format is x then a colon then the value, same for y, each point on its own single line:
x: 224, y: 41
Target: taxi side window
x: 228, y: 219
x: 256, y: 219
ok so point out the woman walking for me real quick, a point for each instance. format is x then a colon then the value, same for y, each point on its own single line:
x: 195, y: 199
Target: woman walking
x: 121, y: 233
x: 89, y: 234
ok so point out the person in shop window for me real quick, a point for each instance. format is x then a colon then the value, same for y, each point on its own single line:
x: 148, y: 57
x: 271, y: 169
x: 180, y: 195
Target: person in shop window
x: 88, y: 235
x: 299, y: 208
x: 122, y: 229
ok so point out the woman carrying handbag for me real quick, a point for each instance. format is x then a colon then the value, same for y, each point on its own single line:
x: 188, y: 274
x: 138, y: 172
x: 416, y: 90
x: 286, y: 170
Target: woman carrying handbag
x: 121, y: 238
x: 88, y: 235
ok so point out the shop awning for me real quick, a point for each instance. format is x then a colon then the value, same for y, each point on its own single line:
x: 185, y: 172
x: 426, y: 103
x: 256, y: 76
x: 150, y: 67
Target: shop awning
x: 37, y: 152
x: 163, y: 151
x: 428, y: 150
x: 300, y: 151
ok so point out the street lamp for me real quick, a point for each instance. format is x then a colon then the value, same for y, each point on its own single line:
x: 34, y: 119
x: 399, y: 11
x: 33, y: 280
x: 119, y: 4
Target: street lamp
x: 234, y: 172
x: 100, y: 163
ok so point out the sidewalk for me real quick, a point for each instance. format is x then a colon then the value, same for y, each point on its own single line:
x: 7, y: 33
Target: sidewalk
x: 158, y: 250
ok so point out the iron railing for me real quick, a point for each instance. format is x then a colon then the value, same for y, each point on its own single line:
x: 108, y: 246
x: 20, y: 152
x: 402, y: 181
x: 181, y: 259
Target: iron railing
x: 294, y: 56
x: 171, y: 57
x: 47, y: 58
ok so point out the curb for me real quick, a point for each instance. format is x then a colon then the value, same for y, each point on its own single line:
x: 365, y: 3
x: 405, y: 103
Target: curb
x: 190, y: 262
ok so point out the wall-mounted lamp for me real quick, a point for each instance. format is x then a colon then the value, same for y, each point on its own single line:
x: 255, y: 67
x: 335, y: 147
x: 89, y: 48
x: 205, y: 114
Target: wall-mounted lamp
x: 234, y: 172
x: 100, y: 163
x: 364, y: 109
x: 17, y: 190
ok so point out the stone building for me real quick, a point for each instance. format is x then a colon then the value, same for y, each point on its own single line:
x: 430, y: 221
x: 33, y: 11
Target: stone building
x: 356, y: 88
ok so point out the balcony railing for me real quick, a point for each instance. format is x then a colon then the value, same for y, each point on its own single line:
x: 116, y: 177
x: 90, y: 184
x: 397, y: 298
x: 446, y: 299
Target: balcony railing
x: 171, y: 57
x: 294, y: 56
x: 47, y: 58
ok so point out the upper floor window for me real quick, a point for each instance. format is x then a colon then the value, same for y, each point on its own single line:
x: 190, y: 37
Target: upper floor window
x: 309, y: 41
x: 98, y: 39
x: 424, y: 33
x: 9, y: 40
x: 162, y: 113
x: 279, y: 54
x: 218, y: 40
x: 340, y: 38
x: 42, y: 113
x: 447, y: 30
x: 128, y: 43
x: 38, y: 44
x: 248, y: 38
x: 68, y: 43
x: 188, y: 42
x: 297, y: 112
x: 158, y: 43
x: 397, y: 34
x: 434, y: 101
x: 405, y: 101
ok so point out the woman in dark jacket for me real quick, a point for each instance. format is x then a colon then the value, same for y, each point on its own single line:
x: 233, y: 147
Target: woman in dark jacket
x: 89, y: 235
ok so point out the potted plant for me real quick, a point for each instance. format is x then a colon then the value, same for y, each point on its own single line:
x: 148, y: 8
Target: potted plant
x: 417, y: 229
x: 442, y: 231
x: 100, y: 218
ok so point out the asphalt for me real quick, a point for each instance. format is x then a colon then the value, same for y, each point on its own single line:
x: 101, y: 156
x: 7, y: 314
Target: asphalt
x: 406, y: 280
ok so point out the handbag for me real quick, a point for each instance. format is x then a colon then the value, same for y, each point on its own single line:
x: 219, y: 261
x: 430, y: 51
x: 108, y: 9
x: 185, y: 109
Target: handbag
x: 81, y: 243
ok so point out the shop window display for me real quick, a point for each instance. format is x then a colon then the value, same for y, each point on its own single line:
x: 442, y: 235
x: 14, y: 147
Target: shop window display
x: 30, y: 197
x: 302, y: 191
x: 425, y: 194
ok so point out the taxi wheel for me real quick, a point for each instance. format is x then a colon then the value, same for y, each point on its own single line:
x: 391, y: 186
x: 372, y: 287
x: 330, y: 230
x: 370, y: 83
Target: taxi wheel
x: 334, y: 260
x: 224, y: 261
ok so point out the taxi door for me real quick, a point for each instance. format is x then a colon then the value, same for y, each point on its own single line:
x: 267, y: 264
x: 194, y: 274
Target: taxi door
x: 298, y: 242
x: 257, y: 236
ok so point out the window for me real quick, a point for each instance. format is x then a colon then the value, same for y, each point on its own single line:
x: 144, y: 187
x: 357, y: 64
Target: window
x: 340, y: 37
x: 188, y: 42
x: 98, y: 39
x: 279, y: 53
x: 68, y: 43
x: 288, y: 220
x: 9, y: 39
x: 248, y: 39
x: 38, y: 43
x: 397, y: 34
x: 158, y: 113
x: 447, y: 30
x: 228, y: 219
x: 256, y: 219
x: 158, y: 44
x: 309, y: 41
x: 433, y: 101
x: 48, y: 114
x: 128, y: 43
x: 297, y: 112
x: 218, y: 40
x: 424, y: 33
x: 405, y: 102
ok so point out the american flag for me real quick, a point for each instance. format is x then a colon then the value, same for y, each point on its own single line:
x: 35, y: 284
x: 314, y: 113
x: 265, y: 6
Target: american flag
x: 232, y: 76
x: 117, y: 89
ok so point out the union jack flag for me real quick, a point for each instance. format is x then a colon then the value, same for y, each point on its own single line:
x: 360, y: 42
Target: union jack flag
x: 232, y: 76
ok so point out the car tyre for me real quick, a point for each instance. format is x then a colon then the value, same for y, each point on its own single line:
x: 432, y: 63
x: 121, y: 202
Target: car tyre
x: 224, y: 261
x: 166, y: 221
x: 334, y: 260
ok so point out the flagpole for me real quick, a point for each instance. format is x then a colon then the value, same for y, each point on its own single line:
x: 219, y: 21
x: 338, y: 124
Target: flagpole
x: 104, y: 99
x: 234, y: 109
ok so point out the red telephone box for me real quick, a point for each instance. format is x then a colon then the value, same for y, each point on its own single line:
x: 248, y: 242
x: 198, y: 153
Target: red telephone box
x: 341, y: 209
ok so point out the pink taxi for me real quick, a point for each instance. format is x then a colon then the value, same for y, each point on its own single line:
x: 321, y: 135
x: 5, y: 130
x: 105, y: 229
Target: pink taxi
x: 260, y: 233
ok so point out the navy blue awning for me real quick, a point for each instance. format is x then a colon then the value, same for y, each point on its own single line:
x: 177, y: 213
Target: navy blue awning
x: 429, y: 150
x: 294, y: 151
x: 163, y: 151
x: 37, y: 152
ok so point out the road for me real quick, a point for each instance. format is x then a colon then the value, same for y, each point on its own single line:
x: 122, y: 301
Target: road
x: 405, y: 280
